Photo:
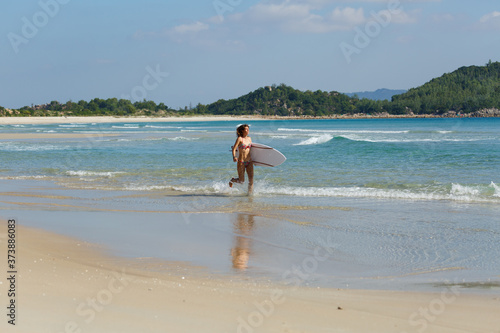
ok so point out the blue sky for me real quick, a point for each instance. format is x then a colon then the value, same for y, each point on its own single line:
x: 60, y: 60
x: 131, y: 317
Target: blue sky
x: 199, y: 51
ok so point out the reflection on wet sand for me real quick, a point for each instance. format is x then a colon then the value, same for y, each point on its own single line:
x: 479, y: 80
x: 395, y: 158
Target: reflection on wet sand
x: 241, y: 251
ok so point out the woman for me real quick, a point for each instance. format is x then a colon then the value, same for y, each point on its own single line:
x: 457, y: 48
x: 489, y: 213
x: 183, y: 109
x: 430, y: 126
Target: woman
x: 243, y: 144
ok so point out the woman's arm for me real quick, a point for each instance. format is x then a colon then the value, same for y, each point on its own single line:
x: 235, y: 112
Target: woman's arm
x: 238, y: 140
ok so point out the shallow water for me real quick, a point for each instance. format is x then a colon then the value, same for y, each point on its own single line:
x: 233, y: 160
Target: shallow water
x: 429, y: 159
x: 384, y: 204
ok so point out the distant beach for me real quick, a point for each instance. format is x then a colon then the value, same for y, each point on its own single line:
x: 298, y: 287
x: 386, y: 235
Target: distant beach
x: 109, y: 119
x: 104, y: 119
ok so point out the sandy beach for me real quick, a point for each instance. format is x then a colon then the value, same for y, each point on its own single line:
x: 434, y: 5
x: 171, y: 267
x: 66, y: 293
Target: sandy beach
x: 133, y: 234
x: 116, y: 119
x: 104, y: 119
x: 67, y: 285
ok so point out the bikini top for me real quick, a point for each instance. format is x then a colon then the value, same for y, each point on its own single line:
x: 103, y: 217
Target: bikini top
x: 242, y: 146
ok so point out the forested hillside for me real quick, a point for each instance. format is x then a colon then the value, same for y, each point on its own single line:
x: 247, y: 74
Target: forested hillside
x: 465, y: 91
x: 283, y: 100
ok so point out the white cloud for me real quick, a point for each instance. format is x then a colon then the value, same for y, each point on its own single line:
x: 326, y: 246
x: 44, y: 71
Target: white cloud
x: 489, y: 17
x: 490, y: 21
x: 273, y: 12
x: 347, y: 16
x: 401, y: 17
x: 292, y: 16
x: 177, y: 32
x: 190, y: 28
x: 305, y: 16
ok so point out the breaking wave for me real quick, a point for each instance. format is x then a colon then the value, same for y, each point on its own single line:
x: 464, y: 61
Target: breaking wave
x: 81, y: 173
x: 315, y: 140
x: 452, y: 192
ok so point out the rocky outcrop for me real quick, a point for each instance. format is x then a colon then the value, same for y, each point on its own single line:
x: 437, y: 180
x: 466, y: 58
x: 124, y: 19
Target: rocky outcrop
x: 485, y: 113
x: 450, y: 114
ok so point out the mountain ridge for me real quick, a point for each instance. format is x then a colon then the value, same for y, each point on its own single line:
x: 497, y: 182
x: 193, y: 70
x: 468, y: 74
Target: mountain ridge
x: 377, y: 95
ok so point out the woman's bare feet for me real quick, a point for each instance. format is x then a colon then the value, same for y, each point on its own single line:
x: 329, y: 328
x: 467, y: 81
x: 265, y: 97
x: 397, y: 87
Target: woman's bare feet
x: 234, y: 180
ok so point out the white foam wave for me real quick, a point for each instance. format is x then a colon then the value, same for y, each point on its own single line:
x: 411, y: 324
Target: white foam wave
x: 315, y: 140
x: 496, y: 188
x: 182, y: 138
x: 457, y: 192
x: 462, y: 190
x: 135, y: 187
x: 24, y: 177
x: 386, y: 140
x: 155, y: 126
x: 82, y: 173
x: 215, y: 187
x: 125, y: 127
x: 379, y: 136
x: 73, y: 126
x: 341, y: 131
x: 347, y: 192
x: 178, y: 138
x: 30, y: 147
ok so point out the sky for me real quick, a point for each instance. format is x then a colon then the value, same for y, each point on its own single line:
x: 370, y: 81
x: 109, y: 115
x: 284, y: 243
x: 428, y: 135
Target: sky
x: 187, y: 52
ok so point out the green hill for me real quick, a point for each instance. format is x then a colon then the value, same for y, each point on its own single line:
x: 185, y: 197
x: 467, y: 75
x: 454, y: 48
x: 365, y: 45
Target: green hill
x: 282, y: 100
x: 465, y: 90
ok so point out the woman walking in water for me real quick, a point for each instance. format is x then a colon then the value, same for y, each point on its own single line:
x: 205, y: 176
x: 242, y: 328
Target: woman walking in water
x: 243, y: 144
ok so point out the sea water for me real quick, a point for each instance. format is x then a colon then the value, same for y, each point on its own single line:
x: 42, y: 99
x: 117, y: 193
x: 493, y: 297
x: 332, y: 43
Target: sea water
x: 406, y: 200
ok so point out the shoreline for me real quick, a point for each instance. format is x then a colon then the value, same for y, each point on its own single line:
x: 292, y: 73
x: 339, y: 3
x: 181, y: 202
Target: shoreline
x: 19, y: 136
x: 111, y: 119
x: 69, y: 284
x: 117, y: 119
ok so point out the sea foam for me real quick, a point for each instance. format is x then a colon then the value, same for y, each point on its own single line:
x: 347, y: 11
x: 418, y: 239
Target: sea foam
x: 315, y: 140
x: 455, y: 192
x: 81, y: 173
x: 496, y: 188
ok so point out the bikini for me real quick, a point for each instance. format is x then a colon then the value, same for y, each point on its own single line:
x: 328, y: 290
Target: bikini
x: 242, y: 146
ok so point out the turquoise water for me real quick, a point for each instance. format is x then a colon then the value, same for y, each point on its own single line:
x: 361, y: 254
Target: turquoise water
x: 414, y: 201
x: 429, y: 159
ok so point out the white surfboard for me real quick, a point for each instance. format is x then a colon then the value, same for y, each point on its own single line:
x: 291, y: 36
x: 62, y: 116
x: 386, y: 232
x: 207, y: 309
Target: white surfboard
x: 263, y: 155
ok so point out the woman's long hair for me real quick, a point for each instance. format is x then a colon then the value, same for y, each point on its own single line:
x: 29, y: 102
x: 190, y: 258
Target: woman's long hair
x: 240, y: 129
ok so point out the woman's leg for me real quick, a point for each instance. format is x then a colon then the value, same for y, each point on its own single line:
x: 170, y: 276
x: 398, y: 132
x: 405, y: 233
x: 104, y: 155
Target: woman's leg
x: 241, y: 174
x: 250, y: 177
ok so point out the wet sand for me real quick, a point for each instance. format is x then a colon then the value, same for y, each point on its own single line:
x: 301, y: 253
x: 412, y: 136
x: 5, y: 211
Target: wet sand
x: 69, y: 285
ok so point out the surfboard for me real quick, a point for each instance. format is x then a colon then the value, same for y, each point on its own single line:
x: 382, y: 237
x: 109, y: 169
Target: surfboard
x: 266, y: 156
